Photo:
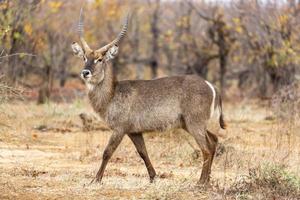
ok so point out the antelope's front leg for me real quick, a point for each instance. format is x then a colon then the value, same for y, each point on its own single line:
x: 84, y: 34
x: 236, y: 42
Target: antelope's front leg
x: 114, y: 141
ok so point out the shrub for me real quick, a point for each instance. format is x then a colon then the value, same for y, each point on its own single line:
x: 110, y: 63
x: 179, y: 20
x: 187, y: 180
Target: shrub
x: 285, y: 103
x: 8, y: 92
x: 269, y: 181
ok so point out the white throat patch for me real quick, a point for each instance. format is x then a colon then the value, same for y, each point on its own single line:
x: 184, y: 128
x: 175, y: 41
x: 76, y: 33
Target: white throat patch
x: 90, y: 86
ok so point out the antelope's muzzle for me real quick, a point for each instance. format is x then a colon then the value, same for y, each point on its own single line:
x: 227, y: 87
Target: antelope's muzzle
x: 85, y: 74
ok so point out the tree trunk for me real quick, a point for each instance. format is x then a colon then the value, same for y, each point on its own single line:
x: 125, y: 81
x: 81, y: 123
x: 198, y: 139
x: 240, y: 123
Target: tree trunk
x: 44, y: 91
x: 155, y: 35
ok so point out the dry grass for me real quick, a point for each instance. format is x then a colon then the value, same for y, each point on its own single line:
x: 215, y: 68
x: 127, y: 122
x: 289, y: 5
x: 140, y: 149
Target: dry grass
x: 8, y: 92
x: 267, y: 181
x: 44, y: 154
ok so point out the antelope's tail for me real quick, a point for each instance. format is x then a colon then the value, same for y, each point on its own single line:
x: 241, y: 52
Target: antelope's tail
x: 222, y: 122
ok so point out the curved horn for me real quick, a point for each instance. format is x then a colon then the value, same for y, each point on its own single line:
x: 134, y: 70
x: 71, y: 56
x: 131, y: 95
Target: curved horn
x: 85, y: 46
x: 116, y: 41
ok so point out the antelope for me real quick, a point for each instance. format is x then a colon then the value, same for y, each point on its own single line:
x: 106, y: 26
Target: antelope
x: 133, y: 107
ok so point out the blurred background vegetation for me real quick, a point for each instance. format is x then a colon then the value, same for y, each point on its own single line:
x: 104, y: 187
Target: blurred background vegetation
x: 248, y: 48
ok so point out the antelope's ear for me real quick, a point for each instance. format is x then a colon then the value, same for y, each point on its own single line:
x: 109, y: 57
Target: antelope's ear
x: 111, y: 53
x: 77, y: 50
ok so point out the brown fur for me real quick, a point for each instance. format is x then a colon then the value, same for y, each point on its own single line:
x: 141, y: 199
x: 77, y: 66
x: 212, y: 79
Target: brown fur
x: 134, y: 107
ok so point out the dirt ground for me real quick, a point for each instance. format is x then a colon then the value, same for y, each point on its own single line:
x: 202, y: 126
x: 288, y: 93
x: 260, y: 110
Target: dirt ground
x: 45, y: 154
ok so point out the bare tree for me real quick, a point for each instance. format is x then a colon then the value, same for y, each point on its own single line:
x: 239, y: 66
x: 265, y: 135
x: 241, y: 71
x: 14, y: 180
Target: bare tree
x: 155, y: 36
x: 221, y: 37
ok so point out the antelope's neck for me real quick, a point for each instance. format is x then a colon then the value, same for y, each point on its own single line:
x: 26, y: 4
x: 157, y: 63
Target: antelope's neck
x: 101, y: 95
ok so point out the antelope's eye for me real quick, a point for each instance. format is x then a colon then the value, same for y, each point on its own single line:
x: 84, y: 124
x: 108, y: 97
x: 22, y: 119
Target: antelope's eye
x: 98, y: 60
x: 85, y: 59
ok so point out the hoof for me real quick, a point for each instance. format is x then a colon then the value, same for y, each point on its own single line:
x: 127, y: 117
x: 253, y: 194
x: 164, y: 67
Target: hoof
x: 203, y: 185
x: 95, y: 180
x: 152, y: 177
x: 152, y: 180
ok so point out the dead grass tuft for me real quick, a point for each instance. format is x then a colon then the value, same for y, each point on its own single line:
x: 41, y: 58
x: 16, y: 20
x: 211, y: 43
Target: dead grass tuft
x: 286, y: 103
x: 271, y: 181
x: 8, y: 92
x: 91, y: 123
x: 32, y: 172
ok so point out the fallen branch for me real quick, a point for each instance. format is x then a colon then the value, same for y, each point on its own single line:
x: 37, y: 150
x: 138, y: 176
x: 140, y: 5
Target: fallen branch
x: 8, y: 92
x: 91, y: 123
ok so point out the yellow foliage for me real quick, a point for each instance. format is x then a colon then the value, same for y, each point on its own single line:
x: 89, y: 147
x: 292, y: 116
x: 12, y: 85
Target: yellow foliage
x: 98, y: 3
x: 236, y: 20
x: 179, y: 23
x: 90, y: 36
x: 236, y: 58
x: 17, y: 35
x: 112, y: 13
x: 3, y: 6
x: 291, y: 51
x: 169, y: 33
x: 5, y: 30
x: 113, y: 10
x: 283, y: 19
x: 55, y: 5
x: 239, y: 29
x: 22, y: 55
x: 227, y: 27
x: 40, y: 43
x: 28, y: 29
x: 185, y: 21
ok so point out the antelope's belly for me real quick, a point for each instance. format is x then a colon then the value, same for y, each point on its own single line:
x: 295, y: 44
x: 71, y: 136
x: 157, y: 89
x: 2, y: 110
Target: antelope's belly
x: 155, y: 121
x: 147, y: 119
x: 150, y: 114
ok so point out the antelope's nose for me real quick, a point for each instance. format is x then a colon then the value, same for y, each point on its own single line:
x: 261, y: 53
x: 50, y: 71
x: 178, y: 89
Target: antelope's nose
x: 86, y: 73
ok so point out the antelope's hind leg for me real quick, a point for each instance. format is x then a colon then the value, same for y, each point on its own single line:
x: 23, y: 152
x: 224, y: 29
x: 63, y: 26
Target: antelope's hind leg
x: 207, y: 142
x: 212, y: 142
x: 138, y: 141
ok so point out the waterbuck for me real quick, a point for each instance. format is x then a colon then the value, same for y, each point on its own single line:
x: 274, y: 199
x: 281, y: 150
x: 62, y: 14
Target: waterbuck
x: 132, y: 107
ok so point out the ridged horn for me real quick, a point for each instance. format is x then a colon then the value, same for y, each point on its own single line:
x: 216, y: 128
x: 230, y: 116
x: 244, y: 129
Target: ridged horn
x: 116, y: 41
x: 80, y: 30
